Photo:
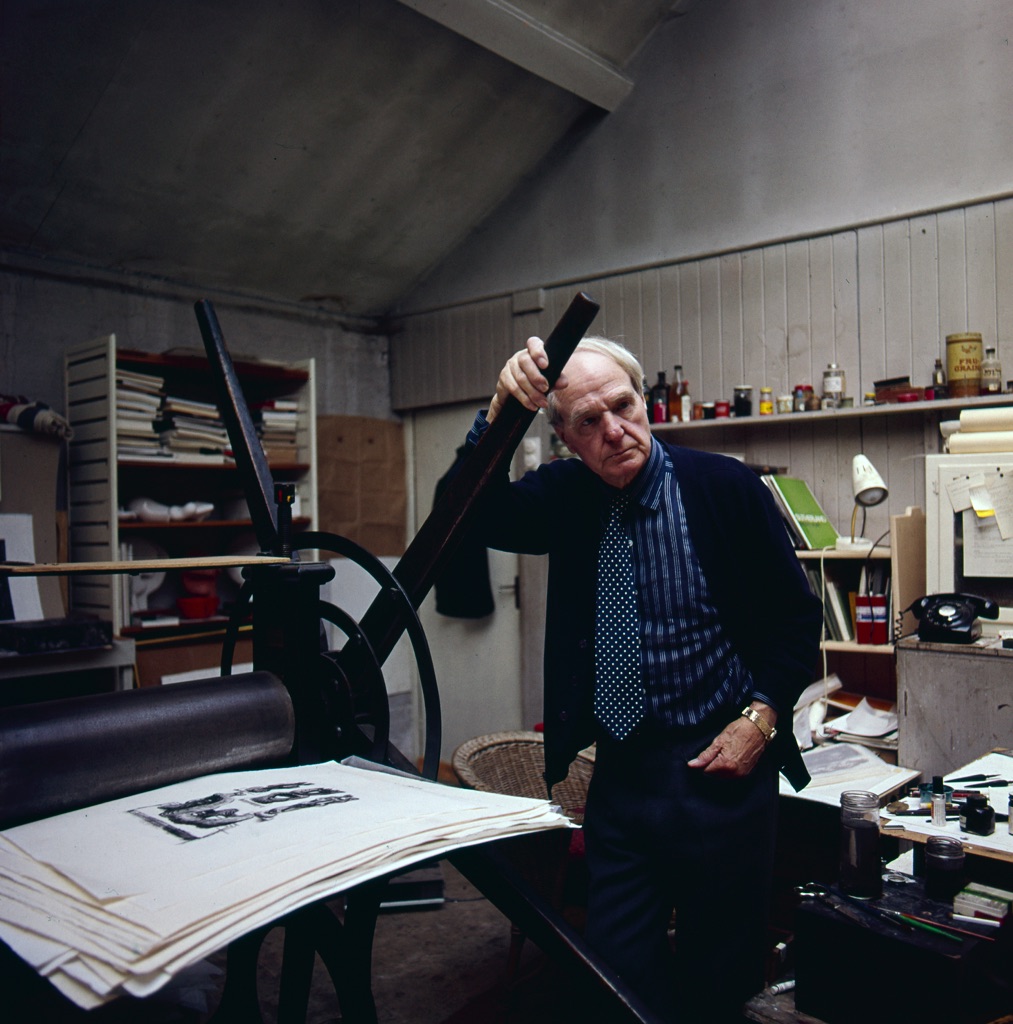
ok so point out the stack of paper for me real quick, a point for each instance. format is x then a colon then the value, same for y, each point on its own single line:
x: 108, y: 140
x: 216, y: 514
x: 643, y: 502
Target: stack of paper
x: 192, y: 431
x: 869, y: 726
x: 277, y: 425
x: 122, y: 896
x: 138, y: 399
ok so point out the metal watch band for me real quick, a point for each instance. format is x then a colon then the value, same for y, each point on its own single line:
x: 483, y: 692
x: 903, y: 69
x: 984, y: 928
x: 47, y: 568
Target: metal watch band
x: 754, y: 716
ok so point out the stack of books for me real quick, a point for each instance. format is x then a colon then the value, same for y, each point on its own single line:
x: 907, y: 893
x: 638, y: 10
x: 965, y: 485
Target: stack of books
x: 276, y: 422
x: 836, y: 604
x: 138, y: 400
x: 193, y: 431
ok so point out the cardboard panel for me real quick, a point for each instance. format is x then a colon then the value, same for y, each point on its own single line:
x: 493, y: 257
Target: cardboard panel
x: 362, y: 492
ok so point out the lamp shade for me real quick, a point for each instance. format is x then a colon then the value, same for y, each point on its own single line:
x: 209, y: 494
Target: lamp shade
x: 866, y: 483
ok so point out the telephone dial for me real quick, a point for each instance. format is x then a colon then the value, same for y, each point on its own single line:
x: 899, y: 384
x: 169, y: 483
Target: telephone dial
x: 952, y: 618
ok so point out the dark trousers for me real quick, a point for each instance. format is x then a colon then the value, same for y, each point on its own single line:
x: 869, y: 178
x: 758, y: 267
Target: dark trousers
x: 660, y: 835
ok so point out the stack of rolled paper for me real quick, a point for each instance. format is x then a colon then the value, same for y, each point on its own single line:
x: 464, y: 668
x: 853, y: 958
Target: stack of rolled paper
x: 981, y: 430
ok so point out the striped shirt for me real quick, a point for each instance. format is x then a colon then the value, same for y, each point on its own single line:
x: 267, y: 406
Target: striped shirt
x: 690, y: 671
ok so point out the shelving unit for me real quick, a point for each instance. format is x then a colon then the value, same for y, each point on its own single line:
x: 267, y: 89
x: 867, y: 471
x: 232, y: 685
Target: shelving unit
x: 844, y: 567
x: 102, y: 483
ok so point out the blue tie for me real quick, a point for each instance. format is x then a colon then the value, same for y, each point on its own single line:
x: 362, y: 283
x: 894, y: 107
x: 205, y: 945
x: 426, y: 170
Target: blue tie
x: 619, y: 689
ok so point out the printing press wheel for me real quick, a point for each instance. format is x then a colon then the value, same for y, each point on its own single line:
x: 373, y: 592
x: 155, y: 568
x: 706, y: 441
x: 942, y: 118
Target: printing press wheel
x: 357, y: 695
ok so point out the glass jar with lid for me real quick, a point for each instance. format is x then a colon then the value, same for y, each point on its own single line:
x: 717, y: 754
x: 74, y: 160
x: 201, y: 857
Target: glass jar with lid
x: 834, y: 386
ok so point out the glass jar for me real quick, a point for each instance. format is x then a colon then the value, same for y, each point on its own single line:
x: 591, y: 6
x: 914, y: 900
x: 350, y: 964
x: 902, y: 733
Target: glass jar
x: 861, y: 874
x: 742, y: 401
x: 766, y: 401
x: 977, y: 815
x: 991, y: 373
x: 944, y: 867
x: 834, y: 386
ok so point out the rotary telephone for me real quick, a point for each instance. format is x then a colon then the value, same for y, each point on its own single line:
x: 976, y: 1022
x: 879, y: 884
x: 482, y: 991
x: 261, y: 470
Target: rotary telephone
x: 952, y: 618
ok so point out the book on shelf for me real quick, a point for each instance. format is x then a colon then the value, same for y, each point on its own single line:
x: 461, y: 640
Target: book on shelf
x: 285, y: 417
x: 837, y: 615
x: 137, y: 381
x: 840, y: 608
x: 132, y: 448
x: 155, y: 619
x: 136, y: 425
x: 277, y: 405
x: 189, y: 407
x: 806, y: 521
x: 137, y: 402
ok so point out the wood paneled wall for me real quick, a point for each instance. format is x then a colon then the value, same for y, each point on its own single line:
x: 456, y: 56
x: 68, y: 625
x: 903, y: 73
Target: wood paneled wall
x: 877, y: 299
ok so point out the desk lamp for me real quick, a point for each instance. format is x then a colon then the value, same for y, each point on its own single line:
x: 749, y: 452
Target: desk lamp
x: 868, y: 488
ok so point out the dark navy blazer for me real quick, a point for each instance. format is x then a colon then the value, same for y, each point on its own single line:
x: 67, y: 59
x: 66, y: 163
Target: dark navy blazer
x: 757, y: 584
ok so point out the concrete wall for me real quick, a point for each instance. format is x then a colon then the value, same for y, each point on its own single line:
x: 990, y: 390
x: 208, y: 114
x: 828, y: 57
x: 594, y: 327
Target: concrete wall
x: 42, y: 315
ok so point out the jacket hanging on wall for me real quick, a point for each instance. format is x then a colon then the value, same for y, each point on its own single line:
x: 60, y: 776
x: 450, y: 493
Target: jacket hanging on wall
x: 463, y: 590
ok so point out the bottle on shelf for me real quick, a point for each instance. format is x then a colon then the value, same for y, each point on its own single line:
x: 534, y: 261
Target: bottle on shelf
x: 834, y: 386
x: 991, y: 372
x: 939, y: 388
x: 680, y: 408
x: 659, y: 400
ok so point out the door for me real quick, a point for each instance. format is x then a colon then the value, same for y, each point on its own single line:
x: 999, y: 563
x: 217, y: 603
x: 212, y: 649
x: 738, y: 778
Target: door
x: 477, y: 660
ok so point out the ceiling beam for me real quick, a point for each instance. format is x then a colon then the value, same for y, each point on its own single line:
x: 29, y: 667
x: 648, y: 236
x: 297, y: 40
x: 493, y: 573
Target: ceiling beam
x: 511, y: 34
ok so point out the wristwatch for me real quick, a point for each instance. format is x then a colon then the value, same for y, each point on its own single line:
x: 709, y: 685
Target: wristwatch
x: 769, y: 731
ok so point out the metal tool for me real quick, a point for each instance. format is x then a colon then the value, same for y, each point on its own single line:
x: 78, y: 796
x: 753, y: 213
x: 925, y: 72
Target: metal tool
x: 818, y: 891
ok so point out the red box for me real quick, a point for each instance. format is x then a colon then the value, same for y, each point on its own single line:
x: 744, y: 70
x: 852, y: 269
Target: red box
x: 871, y: 626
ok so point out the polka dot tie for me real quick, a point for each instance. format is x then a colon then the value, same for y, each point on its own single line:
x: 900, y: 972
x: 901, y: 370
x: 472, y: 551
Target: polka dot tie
x: 619, y: 690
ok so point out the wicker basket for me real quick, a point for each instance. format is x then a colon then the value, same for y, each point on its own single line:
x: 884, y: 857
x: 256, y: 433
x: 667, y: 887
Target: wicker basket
x: 514, y: 763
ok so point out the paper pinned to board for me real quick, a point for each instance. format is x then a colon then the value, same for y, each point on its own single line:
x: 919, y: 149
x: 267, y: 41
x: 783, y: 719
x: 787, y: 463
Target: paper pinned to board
x: 981, y: 500
x: 958, y: 490
x: 985, y: 551
x: 1000, y: 492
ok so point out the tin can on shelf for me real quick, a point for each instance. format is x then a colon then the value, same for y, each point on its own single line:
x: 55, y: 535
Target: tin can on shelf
x: 722, y: 410
x: 963, y: 364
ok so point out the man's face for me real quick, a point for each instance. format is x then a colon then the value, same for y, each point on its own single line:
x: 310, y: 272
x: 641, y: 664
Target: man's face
x: 604, y: 420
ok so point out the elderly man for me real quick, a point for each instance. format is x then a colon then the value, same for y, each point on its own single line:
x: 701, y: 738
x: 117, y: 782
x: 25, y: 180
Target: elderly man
x: 679, y: 632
